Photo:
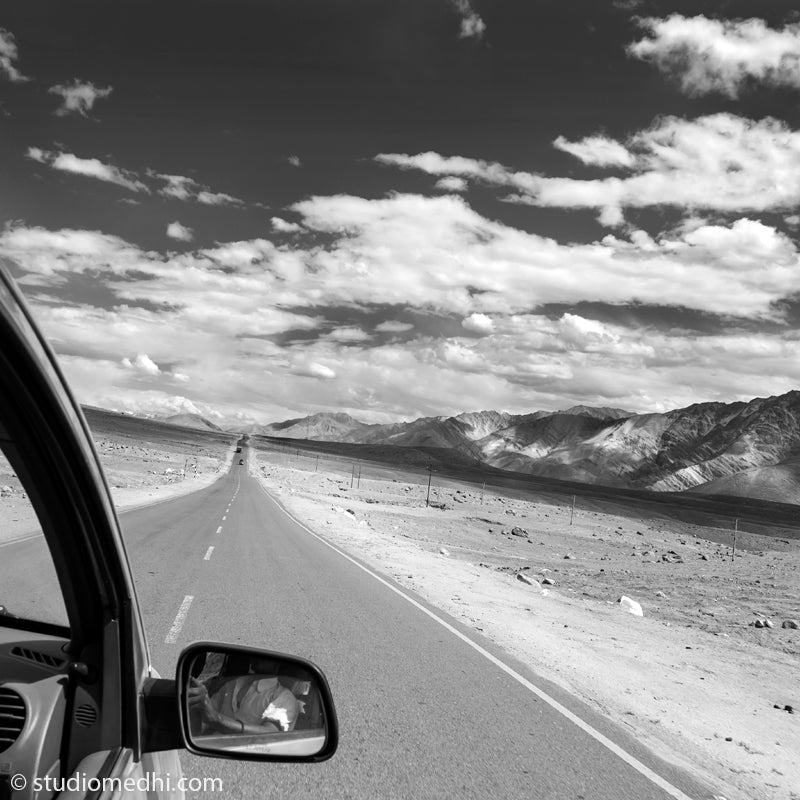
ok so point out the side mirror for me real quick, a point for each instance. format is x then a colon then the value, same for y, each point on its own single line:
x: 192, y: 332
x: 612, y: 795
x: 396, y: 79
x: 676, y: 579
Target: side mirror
x: 238, y: 702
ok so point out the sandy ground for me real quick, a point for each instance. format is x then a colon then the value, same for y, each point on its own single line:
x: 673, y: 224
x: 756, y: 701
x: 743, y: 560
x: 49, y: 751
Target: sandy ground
x: 692, y: 678
x: 139, y: 473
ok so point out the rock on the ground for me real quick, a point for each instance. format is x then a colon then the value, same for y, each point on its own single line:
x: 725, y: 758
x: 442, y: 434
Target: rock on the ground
x: 517, y: 531
x: 631, y: 606
x: 444, y: 551
x: 521, y: 576
x: 791, y: 623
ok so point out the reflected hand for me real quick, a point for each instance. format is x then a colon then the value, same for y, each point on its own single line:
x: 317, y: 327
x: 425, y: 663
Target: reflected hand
x: 198, y: 698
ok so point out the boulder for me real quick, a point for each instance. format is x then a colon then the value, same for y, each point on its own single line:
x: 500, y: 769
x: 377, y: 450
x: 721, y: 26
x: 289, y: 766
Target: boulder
x: 517, y: 531
x: 521, y: 576
x: 791, y: 623
x: 631, y: 606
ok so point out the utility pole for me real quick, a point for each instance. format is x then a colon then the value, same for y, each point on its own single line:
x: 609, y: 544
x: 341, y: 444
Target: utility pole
x: 430, y: 473
x: 483, y: 489
x: 735, y: 531
x: 352, y: 475
x: 572, y: 512
x: 316, y: 467
x: 358, y: 485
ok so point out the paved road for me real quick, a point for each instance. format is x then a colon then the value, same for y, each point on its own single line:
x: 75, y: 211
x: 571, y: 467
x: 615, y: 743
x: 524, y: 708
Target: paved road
x: 423, y: 714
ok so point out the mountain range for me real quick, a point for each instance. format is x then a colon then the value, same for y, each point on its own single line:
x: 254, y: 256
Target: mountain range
x: 749, y: 449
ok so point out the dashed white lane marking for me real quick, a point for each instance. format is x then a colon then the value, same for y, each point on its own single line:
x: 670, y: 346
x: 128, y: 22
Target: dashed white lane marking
x: 224, y: 517
x: 631, y: 761
x: 180, y: 618
x: 207, y: 556
x: 219, y: 530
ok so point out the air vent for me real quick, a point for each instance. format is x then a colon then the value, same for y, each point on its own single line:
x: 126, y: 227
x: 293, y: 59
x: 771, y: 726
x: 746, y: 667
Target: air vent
x: 12, y: 717
x: 86, y: 715
x: 36, y: 657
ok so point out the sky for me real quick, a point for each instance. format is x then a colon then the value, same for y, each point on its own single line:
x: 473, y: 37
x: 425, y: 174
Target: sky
x: 257, y: 210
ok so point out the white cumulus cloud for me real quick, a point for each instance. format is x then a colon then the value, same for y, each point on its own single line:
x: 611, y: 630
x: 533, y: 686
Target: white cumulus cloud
x: 78, y: 97
x: 478, y: 323
x: 180, y: 232
x: 282, y: 226
x: 9, y: 54
x: 472, y: 26
x: 142, y: 363
x: 721, y: 56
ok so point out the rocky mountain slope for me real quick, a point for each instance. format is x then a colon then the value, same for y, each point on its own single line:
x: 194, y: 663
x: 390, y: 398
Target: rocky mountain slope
x: 744, y: 448
x: 191, y: 421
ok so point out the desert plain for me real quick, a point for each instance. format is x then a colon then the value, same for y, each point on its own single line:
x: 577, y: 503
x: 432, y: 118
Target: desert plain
x: 693, y: 678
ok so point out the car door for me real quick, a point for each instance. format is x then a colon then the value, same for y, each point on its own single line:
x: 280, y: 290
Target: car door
x: 74, y: 683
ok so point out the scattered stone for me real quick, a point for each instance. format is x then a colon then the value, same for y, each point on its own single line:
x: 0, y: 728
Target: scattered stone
x: 568, y: 556
x: 517, y: 531
x: 660, y: 594
x: 790, y: 709
x: 521, y: 576
x: 791, y: 623
x: 350, y: 511
x: 444, y: 551
x: 768, y: 623
x: 631, y: 606
x: 548, y: 582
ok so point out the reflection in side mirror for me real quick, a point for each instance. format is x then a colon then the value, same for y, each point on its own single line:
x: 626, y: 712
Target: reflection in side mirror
x: 254, y: 704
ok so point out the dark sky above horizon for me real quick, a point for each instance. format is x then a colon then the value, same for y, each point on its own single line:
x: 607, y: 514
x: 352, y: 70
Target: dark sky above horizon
x: 268, y: 209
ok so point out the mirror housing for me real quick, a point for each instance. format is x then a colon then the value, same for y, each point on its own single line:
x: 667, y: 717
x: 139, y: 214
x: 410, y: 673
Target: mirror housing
x: 255, y: 705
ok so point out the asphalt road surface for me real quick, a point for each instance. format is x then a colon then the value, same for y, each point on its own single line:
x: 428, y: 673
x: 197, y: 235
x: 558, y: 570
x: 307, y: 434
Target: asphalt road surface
x: 426, y: 709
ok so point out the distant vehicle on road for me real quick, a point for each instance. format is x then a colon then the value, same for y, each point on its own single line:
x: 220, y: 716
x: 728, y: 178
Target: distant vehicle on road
x: 241, y: 461
x: 80, y: 703
x: 238, y: 449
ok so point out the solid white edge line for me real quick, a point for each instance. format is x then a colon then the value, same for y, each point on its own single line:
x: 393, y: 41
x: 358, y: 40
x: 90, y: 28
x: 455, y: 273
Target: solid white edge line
x: 180, y: 618
x: 24, y: 538
x: 207, y: 556
x: 219, y: 530
x: 630, y: 760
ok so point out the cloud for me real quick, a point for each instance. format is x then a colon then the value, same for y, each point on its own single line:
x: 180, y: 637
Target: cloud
x: 393, y: 326
x: 597, y: 151
x: 282, y: 226
x: 348, y: 334
x: 294, y: 161
x: 187, y: 189
x: 87, y: 167
x: 142, y: 363
x: 721, y: 162
x: 472, y: 26
x: 721, y: 56
x: 479, y: 323
x: 180, y: 232
x: 314, y: 370
x: 452, y: 184
x: 78, y: 97
x: 230, y: 315
x: 8, y: 56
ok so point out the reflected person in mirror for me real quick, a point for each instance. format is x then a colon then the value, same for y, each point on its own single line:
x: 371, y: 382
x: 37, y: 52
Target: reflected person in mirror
x: 255, y: 703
